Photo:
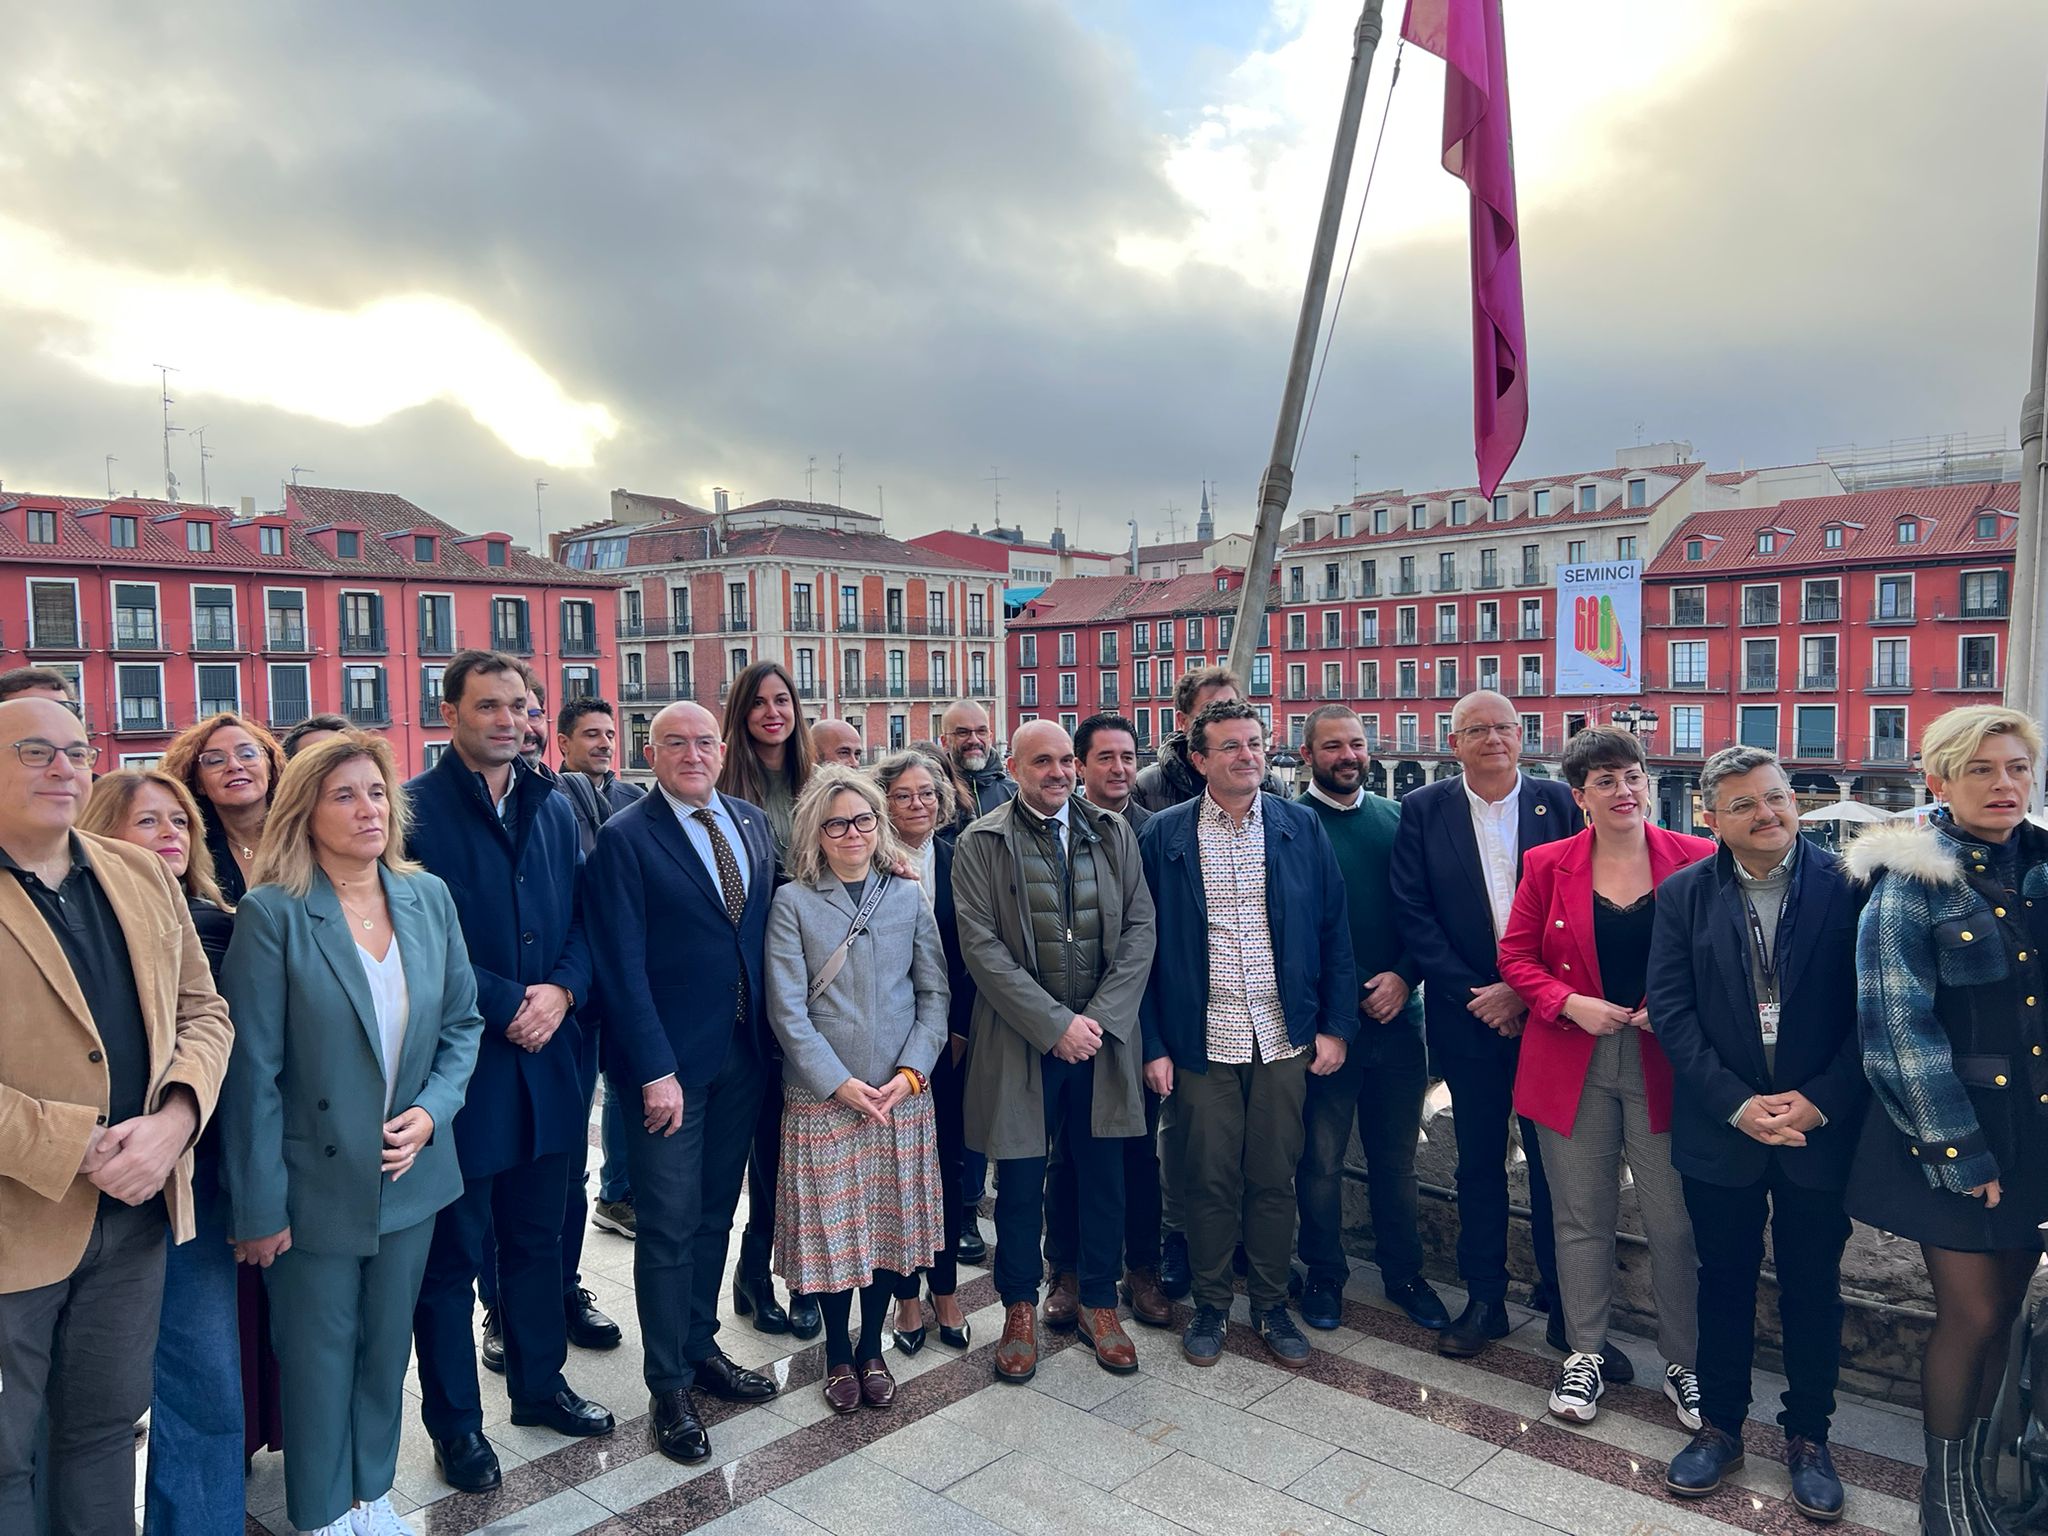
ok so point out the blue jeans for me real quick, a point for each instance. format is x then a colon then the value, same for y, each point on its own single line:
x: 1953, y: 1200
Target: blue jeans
x: 194, y: 1485
x: 615, y: 1180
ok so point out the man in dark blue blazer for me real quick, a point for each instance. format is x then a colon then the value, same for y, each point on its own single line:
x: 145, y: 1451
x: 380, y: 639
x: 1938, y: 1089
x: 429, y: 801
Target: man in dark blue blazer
x: 1752, y: 994
x: 679, y: 887
x: 505, y: 843
x: 1457, y: 859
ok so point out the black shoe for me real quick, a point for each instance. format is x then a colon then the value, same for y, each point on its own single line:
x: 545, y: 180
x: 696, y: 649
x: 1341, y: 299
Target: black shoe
x: 754, y: 1296
x: 805, y: 1320
x: 566, y: 1414
x: 1174, y: 1276
x: 971, y: 1249
x: 1616, y: 1369
x: 616, y: 1216
x: 1542, y: 1296
x: 588, y: 1327
x: 1322, y: 1303
x: 468, y: 1463
x: 1944, y: 1488
x: 910, y: 1340
x: 719, y: 1376
x: 1424, y: 1307
x: 956, y: 1338
x: 1697, y: 1470
x: 1477, y: 1326
x: 492, y: 1351
x: 678, y: 1432
x: 1553, y: 1332
x: 1816, y: 1489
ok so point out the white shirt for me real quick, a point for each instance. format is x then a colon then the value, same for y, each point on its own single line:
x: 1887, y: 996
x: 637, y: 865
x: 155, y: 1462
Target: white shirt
x: 1357, y: 797
x: 1497, y: 828
x: 1058, y: 821
x: 700, y: 839
x: 387, y: 991
x: 924, y: 859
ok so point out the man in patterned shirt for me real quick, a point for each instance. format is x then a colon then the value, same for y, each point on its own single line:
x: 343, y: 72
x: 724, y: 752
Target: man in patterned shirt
x: 1253, y: 989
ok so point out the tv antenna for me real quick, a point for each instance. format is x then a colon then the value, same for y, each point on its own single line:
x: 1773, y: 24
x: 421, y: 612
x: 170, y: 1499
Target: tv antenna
x: 300, y: 469
x: 111, y: 462
x: 839, y: 480
x: 164, y: 372
x: 994, y: 478
x: 539, y: 527
x: 205, y: 453
x: 810, y: 478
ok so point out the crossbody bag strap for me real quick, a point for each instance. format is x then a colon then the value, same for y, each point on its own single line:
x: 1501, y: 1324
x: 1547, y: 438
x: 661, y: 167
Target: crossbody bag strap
x: 829, y: 971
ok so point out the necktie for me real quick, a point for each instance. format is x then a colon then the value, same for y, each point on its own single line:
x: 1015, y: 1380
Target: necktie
x: 729, y: 882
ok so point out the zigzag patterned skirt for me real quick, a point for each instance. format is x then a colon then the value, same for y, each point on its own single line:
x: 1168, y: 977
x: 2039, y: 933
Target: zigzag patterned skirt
x: 853, y: 1197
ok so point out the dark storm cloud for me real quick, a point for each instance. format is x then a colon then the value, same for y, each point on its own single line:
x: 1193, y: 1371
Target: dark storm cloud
x: 761, y: 231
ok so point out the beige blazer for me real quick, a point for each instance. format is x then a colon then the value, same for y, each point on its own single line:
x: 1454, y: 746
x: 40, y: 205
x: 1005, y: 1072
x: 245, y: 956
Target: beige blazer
x: 53, y: 1078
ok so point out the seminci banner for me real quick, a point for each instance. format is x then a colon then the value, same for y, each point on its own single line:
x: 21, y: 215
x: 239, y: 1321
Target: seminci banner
x: 1600, y: 628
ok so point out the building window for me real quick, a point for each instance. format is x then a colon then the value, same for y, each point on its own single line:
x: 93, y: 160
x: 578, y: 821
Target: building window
x: 437, y: 624
x: 1489, y: 673
x: 270, y: 540
x: 1027, y: 650
x: 121, y: 532
x: 941, y: 683
x: 1141, y: 679
x: 142, y: 698
x: 1418, y: 515
x: 219, y: 689
x: 1766, y: 542
x: 1689, y: 664
x: 364, y: 697
x: 1625, y: 547
x: 977, y: 627
x: 1888, y: 734
x: 284, y: 621
x: 1262, y: 676
x: 1459, y: 516
x: 579, y: 683
x: 1695, y: 549
x: 1688, y: 605
x: 42, y: 527
x: 1542, y: 503
x: 213, y: 619
x: 1224, y: 625
x: 1027, y: 692
x: 1589, y: 497
x: 1500, y: 509
x: 1068, y: 648
x: 1817, y: 655
x: 1813, y: 731
x: 1688, y: 729
x: 423, y: 548
x: 1757, y: 726
x: 1893, y: 667
x: 1105, y: 646
x: 1759, y: 605
x: 1894, y: 597
x: 1070, y: 688
x: 1760, y: 665
x: 291, y: 698
x: 362, y: 622
x: 1822, y: 602
x: 1575, y: 552
x: 510, y: 630
x: 348, y: 544
x: 1532, y: 618
x: 1987, y: 525
x: 431, y: 694
x: 1379, y: 519
x: 1831, y: 538
x: 1195, y: 641
x: 1405, y: 680
x: 135, y: 621
x: 495, y: 554
x: 1984, y: 595
x: 1979, y: 655
x: 1638, y: 493
x: 1908, y: 531
x: 1343, y: 525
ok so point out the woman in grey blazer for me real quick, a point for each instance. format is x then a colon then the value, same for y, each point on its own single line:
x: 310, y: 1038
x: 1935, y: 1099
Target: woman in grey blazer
x: 856, y: 992
x: 356, y: 1028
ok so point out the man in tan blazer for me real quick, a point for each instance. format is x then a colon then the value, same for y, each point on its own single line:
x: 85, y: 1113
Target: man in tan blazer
x: 113, y: 1045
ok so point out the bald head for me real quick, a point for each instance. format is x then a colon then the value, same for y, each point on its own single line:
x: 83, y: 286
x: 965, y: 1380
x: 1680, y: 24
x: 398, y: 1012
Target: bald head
x: 1042, y: 763
x: 834, y: 741
x: 40, y: 801
x: 1486, y: 737
x: 1486, y: 702
x: 685, y: 752
x: 968, y: 740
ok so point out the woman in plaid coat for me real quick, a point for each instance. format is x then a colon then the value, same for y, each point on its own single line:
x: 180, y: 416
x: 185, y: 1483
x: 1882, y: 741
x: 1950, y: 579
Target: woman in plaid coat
x: 1950, y: 982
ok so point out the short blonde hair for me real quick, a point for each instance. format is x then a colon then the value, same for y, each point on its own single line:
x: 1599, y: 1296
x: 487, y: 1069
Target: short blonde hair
x: 1951, y: 741
x: 807, y: 862
x: 285, y: 858
x: 113, y: 798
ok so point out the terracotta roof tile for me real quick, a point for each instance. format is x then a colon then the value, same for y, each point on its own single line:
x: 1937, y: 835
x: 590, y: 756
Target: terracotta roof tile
x: 1103, y: 599
x: 1947, y: 515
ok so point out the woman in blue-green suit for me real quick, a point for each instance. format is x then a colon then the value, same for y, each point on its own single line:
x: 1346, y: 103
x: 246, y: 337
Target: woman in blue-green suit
x: 356, y: 1026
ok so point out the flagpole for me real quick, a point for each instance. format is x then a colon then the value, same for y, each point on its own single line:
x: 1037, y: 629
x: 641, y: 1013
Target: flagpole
x: 2026, y: 663
x: 1278, y: 484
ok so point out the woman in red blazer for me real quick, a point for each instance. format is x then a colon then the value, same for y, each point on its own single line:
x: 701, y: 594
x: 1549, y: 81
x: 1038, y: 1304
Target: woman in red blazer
x: 1592, y: 1076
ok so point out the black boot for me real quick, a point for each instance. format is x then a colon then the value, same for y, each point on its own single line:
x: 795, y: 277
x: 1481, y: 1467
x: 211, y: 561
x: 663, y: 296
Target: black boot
x: 1944, y: 1499
x: 753, y: 1295
x: 1980, y: 1498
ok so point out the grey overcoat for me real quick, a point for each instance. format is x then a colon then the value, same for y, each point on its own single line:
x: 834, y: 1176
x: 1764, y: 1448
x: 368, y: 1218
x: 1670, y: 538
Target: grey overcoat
x: 1016, y: 1022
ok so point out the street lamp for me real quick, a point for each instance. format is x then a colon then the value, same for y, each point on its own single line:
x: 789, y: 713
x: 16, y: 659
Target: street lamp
x: 1638, y: 721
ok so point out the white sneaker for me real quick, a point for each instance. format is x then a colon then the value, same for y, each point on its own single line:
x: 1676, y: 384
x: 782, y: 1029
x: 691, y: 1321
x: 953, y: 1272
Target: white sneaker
x: 344, y: 1526
x: 378, y: 1519
x: 1579, y: 1384
x: 1683, y: 1388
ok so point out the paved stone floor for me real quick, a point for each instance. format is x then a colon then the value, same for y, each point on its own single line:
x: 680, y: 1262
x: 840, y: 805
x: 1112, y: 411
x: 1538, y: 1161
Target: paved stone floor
x: 1379, y: 1434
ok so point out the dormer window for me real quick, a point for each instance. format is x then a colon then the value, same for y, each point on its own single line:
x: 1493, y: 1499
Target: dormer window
x: 1589, y: 497
x: 199, y: 537
x: 348, y: 544
x: 1831, y: 538
x: 1987, y: 525
x: 123, y: 532
x: 423, y: 548
x: 1909, y: 532
x: 495, y: 552
x: 1638, y: 493
x: 1766, y: 542
x: 270, y: 540
x: 1343, y: 525
x: 1542, y: 507
x: 1458, y: 513
x: 1379, y: 519
x: 42, y: 527
x: 1418, y: 515
x: 1695, y: 549
x: 1500, y: 508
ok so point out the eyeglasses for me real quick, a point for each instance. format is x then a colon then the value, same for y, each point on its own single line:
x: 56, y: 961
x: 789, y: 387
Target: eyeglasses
x: 34, y: 752
x: 913, y: 797
x: 248, y: 752
x: 1482, y: 732
x: 1777, y: 801
x: 1609, y: 784
x: 839, y: 826
x: 703, y: 746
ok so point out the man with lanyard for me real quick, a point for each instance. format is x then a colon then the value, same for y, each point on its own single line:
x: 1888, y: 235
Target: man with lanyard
x: 1752, y: 994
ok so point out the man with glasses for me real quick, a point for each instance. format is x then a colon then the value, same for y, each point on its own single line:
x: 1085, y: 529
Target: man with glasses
x: 1752, y: 994
x: 1056, y: 930
x: 116, y: 1046
x: 1255, y: 991
x: 1457, y: 860
x: 979, y: 778
x: 679, y: 887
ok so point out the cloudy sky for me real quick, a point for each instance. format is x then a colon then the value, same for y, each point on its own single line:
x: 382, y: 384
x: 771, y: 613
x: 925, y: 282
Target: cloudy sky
x: 450, y: 249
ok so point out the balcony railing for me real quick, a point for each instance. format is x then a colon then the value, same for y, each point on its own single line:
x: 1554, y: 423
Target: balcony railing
x: 145, y: 638
x: 1404, y: 586
x: 981, y: 629
x: 287, y: 640
x: 439, y: 642
x: 1991, y: 608
x: 363, y: 642
x: 1363, y: 588
x: 1330, y: 592
x: 1366, y: 693
x: 1487, y: 634
x: 1819, y: 679
x: 1450, y: 583
x: 1886, y: 749
x: 1969, y: 680
x: 430, y: 712
x: 1333, y: 637
x: 217, y: 638
x: 1407, y: 689
x: 1296, y: 692
x: 1367, y: 639
x: 1759, y: 615
x: 1821, y: 610
x: 1892, y: 611
x: 981, y: 688
x: 58, y: 638
x: 1107, y: 658
x: 373, y: 716
x: 736, y: 621
x: 1530, y: 688
x: 1027, y: 698
x: 1532, y: 575
x: 656, y: 693
x: 150, y: 719
x: 653, y: 629
x: 514, y: 642
x: 1690, y: 683
x: 1141, y: 642
x: 1815, y: 750
x: 1447, y: 634
x: 1489, y: 581
x: 1532, y: 631
x: 579, y: 644
x: 1760, y: 682
x: 284, y: 713
x: 1897, y: 679
x: 1407, y: 636
x: 804, y: 622
x: 1298, y: 642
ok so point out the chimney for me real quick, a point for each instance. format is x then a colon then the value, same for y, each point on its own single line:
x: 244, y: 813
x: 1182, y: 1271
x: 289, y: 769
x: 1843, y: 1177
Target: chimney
x: 719, y: 500
x: 248, y: 506
x: 1059, y: 540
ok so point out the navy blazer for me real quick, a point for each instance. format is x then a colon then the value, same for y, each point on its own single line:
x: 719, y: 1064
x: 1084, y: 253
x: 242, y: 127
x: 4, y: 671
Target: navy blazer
x: 1440, y: 900
x: 1307, y: 911
x: 960, y: 1011
x: 515, y: 888
x: 672, y: 960
x: 1703, y: 1010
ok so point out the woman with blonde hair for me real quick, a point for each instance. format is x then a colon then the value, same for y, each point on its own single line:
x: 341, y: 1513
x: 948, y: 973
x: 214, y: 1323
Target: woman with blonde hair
x: 855, y: 982
x: 1950, y: 985
x: 356, y: 1027
x: 232, y: 766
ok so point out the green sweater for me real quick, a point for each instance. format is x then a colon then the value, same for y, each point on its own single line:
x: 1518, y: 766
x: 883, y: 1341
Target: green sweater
x: 1364, y: 840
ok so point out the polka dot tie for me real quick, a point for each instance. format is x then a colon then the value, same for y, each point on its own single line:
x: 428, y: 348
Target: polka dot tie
x: 729, y: 881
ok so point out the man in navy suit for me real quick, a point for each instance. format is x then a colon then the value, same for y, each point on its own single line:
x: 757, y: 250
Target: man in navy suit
x: 505, y: 843
x: 1457, y: 859
x: 1752, y: 994
x: 679, y: 886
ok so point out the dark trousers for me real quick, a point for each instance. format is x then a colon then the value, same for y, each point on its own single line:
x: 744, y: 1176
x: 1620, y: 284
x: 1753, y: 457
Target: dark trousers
x: 949, y: 1083
x: 82, y: 1349
x: 575, y: 1202
x: 1242, y: 1126
x: 1808, y: 1231
x: 1141, y: 1200
x: 523, y: 1206
x: 1098, y: 1162
x: 764, y: 1167
x: 1482, y: 1102
x: 686, y: 1187
x: 1384, y: 1099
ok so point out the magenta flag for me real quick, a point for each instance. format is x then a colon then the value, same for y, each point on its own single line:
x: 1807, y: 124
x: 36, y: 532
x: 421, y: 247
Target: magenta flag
x: 1479, y: 150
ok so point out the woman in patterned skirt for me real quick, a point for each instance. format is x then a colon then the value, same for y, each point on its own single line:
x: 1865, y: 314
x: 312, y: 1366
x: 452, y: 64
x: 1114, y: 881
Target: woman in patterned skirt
x: 856, y: 991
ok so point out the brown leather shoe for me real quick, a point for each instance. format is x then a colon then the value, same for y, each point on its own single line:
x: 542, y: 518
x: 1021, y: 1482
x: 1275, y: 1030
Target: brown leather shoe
x: 1102, y: 1332
x: 1062, y: 1298
x: 842, y: 1389
x: 877, y: 1386
x: 1147, y: 1301
x: 1017, y: 1354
